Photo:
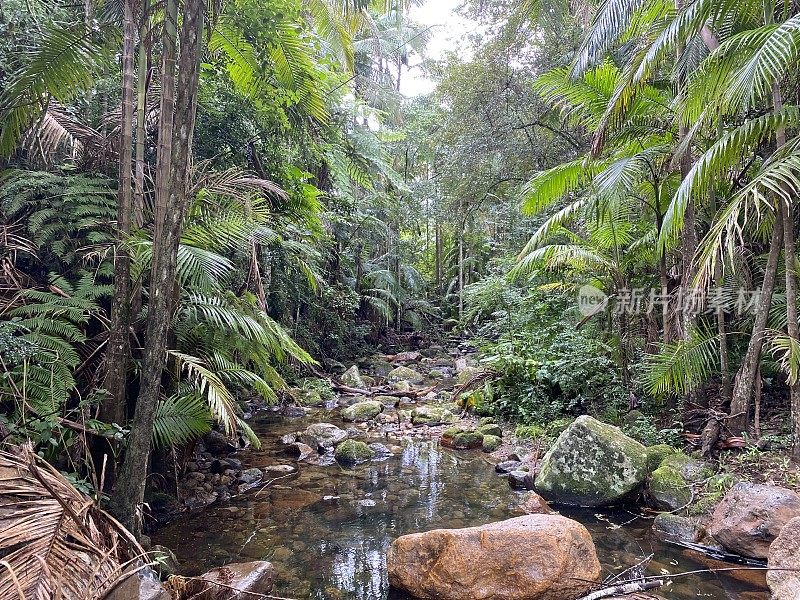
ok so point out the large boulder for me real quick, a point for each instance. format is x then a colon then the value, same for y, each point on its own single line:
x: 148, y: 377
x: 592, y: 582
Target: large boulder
x: 784, y: 561
x: 362, y: 411
x: 751, y: 516
x: 352, y: 378
x: 462, y: 439
x: 322, y: 436
x: 238, y: 581
x: 535, y: 557
x: 405, y: 374
x: 592, y: 464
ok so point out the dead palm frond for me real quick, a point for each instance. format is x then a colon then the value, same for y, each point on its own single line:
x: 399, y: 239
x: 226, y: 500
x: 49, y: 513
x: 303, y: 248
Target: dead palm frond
x: 54, y: 541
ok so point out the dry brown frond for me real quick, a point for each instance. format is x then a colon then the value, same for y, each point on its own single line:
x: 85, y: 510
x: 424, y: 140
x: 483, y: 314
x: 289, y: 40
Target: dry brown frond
x: 54, y: 541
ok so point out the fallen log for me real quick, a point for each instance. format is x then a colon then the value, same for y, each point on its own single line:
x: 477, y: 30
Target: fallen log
x: 624, y: 589
x: 381, y: 391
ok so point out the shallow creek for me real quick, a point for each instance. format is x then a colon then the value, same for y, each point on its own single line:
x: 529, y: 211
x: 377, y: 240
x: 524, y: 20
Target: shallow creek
x: 327, y: 529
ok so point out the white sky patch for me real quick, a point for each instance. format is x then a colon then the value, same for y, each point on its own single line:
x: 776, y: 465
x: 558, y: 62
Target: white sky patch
x: 448, y: 32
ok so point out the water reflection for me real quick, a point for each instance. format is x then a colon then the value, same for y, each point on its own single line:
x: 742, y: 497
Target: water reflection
x: 327, y: 531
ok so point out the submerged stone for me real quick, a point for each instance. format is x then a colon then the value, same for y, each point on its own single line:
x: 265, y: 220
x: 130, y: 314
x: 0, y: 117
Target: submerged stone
x: 592, y: 464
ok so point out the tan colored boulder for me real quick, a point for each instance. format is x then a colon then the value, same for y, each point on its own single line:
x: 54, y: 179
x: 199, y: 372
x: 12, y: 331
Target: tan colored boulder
x: 751, y: 516
x: 784, y: 554
x: 535, y: 557
x: 238, y: 581
x: 534, y: 504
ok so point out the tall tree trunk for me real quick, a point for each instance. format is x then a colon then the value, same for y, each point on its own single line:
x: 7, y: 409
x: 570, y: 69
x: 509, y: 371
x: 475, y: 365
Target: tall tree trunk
x: 129, y: 493
x: 749, y: 369
x: 790, y: 258
x: 438, y: 251
x: 143, y: 69
x: 113, y: 409
x: 461, y: 271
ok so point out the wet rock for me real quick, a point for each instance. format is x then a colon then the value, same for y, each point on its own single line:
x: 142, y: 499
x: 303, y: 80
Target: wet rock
x: 362, y: 411
x: 592, y: 464
x: 436, y: 374
x: 323, y: 436
x: 784, y: 560
x: 386, y: 400
x: 401, y: 386
x: 352, y: 377
x: 521, y: 480
x: 491, y: 429
x: 279, y: 470
x: 462, y: 439
x: 143, y: 585
x: 668, y: 490
x: 293, y: 412
x: 431, y: 415
x: 535, y: 557
x: 381, y: 450
x: 507, y: 466
x: 405, y: 374
x: 248, y: 579
x: 751, y: 516
x: 216, y: 443
x: 534, y: 504
x: 251, y: 476
x: 675, y: 528
x: 352, y: 452
x: 289, y: 438
x: 299, y: 450
x: 491, y: 443
x: 656, y: 455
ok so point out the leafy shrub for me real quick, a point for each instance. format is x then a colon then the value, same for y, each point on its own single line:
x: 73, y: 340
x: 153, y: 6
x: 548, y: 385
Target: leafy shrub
x: 645, y: 431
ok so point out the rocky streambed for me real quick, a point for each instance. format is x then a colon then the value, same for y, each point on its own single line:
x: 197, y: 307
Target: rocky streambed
x: 334, y: 485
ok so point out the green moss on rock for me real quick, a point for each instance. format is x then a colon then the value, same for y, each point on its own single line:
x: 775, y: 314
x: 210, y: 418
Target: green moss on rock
x: 491, y: 429
x: 405, y: 374
x: 656, y: 455
x: 592, y: 464
x: 668, y: 489
x: 362, y: 411
x: 353, y: 452
x: 491, y: 443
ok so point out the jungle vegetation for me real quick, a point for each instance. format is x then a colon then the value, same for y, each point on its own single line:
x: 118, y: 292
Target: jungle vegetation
x: 204, y: 200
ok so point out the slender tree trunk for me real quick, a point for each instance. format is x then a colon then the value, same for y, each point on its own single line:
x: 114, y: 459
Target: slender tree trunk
x: 790, y: 258
x: 113, y: 409
x: 749, y: 369
x: 438, y: 251
x: 129, y: 493
x: 461, y: 271
x: 141, y: 115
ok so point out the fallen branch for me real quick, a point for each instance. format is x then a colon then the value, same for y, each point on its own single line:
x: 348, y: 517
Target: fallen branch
x: 624, y: 589
x: 381, y: 391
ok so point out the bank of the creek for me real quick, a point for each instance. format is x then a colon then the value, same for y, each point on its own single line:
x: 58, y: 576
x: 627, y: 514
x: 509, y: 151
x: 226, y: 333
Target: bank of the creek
x: 326, y: 528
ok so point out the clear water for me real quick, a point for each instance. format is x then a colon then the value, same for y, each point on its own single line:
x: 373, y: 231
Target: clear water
x: 327, y: 530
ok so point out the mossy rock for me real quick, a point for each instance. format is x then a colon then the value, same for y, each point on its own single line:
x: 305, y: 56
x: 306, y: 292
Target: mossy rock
x: 530, y: 432
x: 405, y: 374
x: 486, y: 421
x: 491, y: 429
x: 361, y: 412
x: 431, y: 415
x: 463, y: 440
x: 491, y: 443
x: 467, y: 373
x: 656, y: 455
x: 352, y: 377
x: 632, y: 417
x: 712, y: 494
x: 368, y: 381
x: 592, y: 464
x: 692, y: 470
x: 306, y: 397
x: 435, y: 374
x: 668, y: 489
x: 352, y: 452
x: 401, y: 386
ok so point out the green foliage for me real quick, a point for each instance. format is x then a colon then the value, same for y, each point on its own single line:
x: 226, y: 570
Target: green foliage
x: 645, y: 431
